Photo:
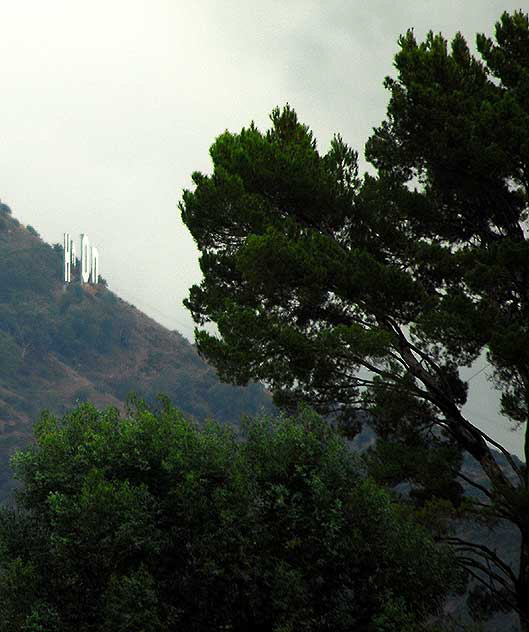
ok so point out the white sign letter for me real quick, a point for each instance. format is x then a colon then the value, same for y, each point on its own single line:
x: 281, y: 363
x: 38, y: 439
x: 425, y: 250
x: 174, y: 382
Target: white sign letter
x: 94, y: 275
x: 85, y: 259
x: 67, y: 258
x: 72, y: 248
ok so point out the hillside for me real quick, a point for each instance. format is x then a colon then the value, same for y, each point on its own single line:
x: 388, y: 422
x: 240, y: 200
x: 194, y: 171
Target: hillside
x: 62, y: 344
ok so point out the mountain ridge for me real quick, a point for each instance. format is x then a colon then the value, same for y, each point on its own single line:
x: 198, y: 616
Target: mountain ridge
x: 61, y: 344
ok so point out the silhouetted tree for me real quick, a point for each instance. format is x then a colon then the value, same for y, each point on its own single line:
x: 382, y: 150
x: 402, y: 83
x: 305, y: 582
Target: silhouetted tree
x: 368, y: 294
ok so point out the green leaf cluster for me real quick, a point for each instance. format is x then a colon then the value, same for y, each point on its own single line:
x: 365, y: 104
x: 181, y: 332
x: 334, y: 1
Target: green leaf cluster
x: 149, y: 522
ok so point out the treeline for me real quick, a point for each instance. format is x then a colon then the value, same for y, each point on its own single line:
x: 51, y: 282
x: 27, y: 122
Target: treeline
x: 151, y: 523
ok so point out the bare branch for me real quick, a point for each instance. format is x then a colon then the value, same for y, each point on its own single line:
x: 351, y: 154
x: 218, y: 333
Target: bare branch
x: 481, y: 488
x: 484, y: 552
x: 501, y: 597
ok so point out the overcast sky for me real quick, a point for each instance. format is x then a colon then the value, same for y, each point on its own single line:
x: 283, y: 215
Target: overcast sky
x: 107, y: 107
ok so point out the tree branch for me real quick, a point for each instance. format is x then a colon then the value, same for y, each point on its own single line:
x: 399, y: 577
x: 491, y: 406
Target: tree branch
x: 481, y: 488
x: 483, y: 551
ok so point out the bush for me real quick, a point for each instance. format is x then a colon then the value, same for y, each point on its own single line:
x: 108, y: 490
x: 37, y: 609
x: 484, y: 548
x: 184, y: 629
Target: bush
x: 151, y: 523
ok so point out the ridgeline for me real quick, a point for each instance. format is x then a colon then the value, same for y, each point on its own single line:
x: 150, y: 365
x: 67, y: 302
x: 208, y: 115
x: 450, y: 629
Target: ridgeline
x: 63, y: 344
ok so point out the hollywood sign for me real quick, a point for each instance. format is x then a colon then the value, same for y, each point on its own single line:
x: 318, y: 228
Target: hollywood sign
x: 89, y: 260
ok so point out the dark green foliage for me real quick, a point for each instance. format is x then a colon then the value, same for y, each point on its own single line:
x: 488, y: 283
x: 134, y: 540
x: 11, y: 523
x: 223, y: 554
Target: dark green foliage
x: 368, y: 294
x: 30, y: 269
x: 150, y: 523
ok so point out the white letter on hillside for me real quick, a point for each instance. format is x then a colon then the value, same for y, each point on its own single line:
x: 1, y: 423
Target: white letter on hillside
x: 85, y: 259
x: 72, y: 249
x: 94, y: 275
x: 67, y: 258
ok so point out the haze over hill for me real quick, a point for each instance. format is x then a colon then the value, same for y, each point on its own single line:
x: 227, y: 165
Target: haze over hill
x: 61, y: 344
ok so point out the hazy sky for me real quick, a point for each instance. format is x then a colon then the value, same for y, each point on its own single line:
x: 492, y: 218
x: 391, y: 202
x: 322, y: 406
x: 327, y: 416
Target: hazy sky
x: 107, y: 107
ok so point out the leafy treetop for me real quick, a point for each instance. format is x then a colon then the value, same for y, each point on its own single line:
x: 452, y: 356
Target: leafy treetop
x: 150, y: 523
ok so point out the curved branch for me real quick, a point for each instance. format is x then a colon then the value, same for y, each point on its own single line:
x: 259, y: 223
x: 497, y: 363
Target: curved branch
x: 470, y: 562
x: 510, y: 604
x: 481, y: 488
x: 483, y: 551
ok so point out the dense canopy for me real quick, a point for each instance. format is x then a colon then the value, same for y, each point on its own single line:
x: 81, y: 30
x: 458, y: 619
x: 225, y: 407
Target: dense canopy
x: 149, y: 523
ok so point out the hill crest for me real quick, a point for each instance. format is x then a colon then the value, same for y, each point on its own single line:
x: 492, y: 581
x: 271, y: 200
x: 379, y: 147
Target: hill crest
x: 60, y: 344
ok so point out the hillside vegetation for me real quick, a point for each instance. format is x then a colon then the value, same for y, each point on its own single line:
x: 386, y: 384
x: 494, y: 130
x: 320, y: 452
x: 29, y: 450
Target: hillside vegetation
x: 63, y: 344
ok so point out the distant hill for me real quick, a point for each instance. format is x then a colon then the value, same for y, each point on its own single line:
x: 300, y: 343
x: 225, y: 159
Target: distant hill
x: 62, y: 344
